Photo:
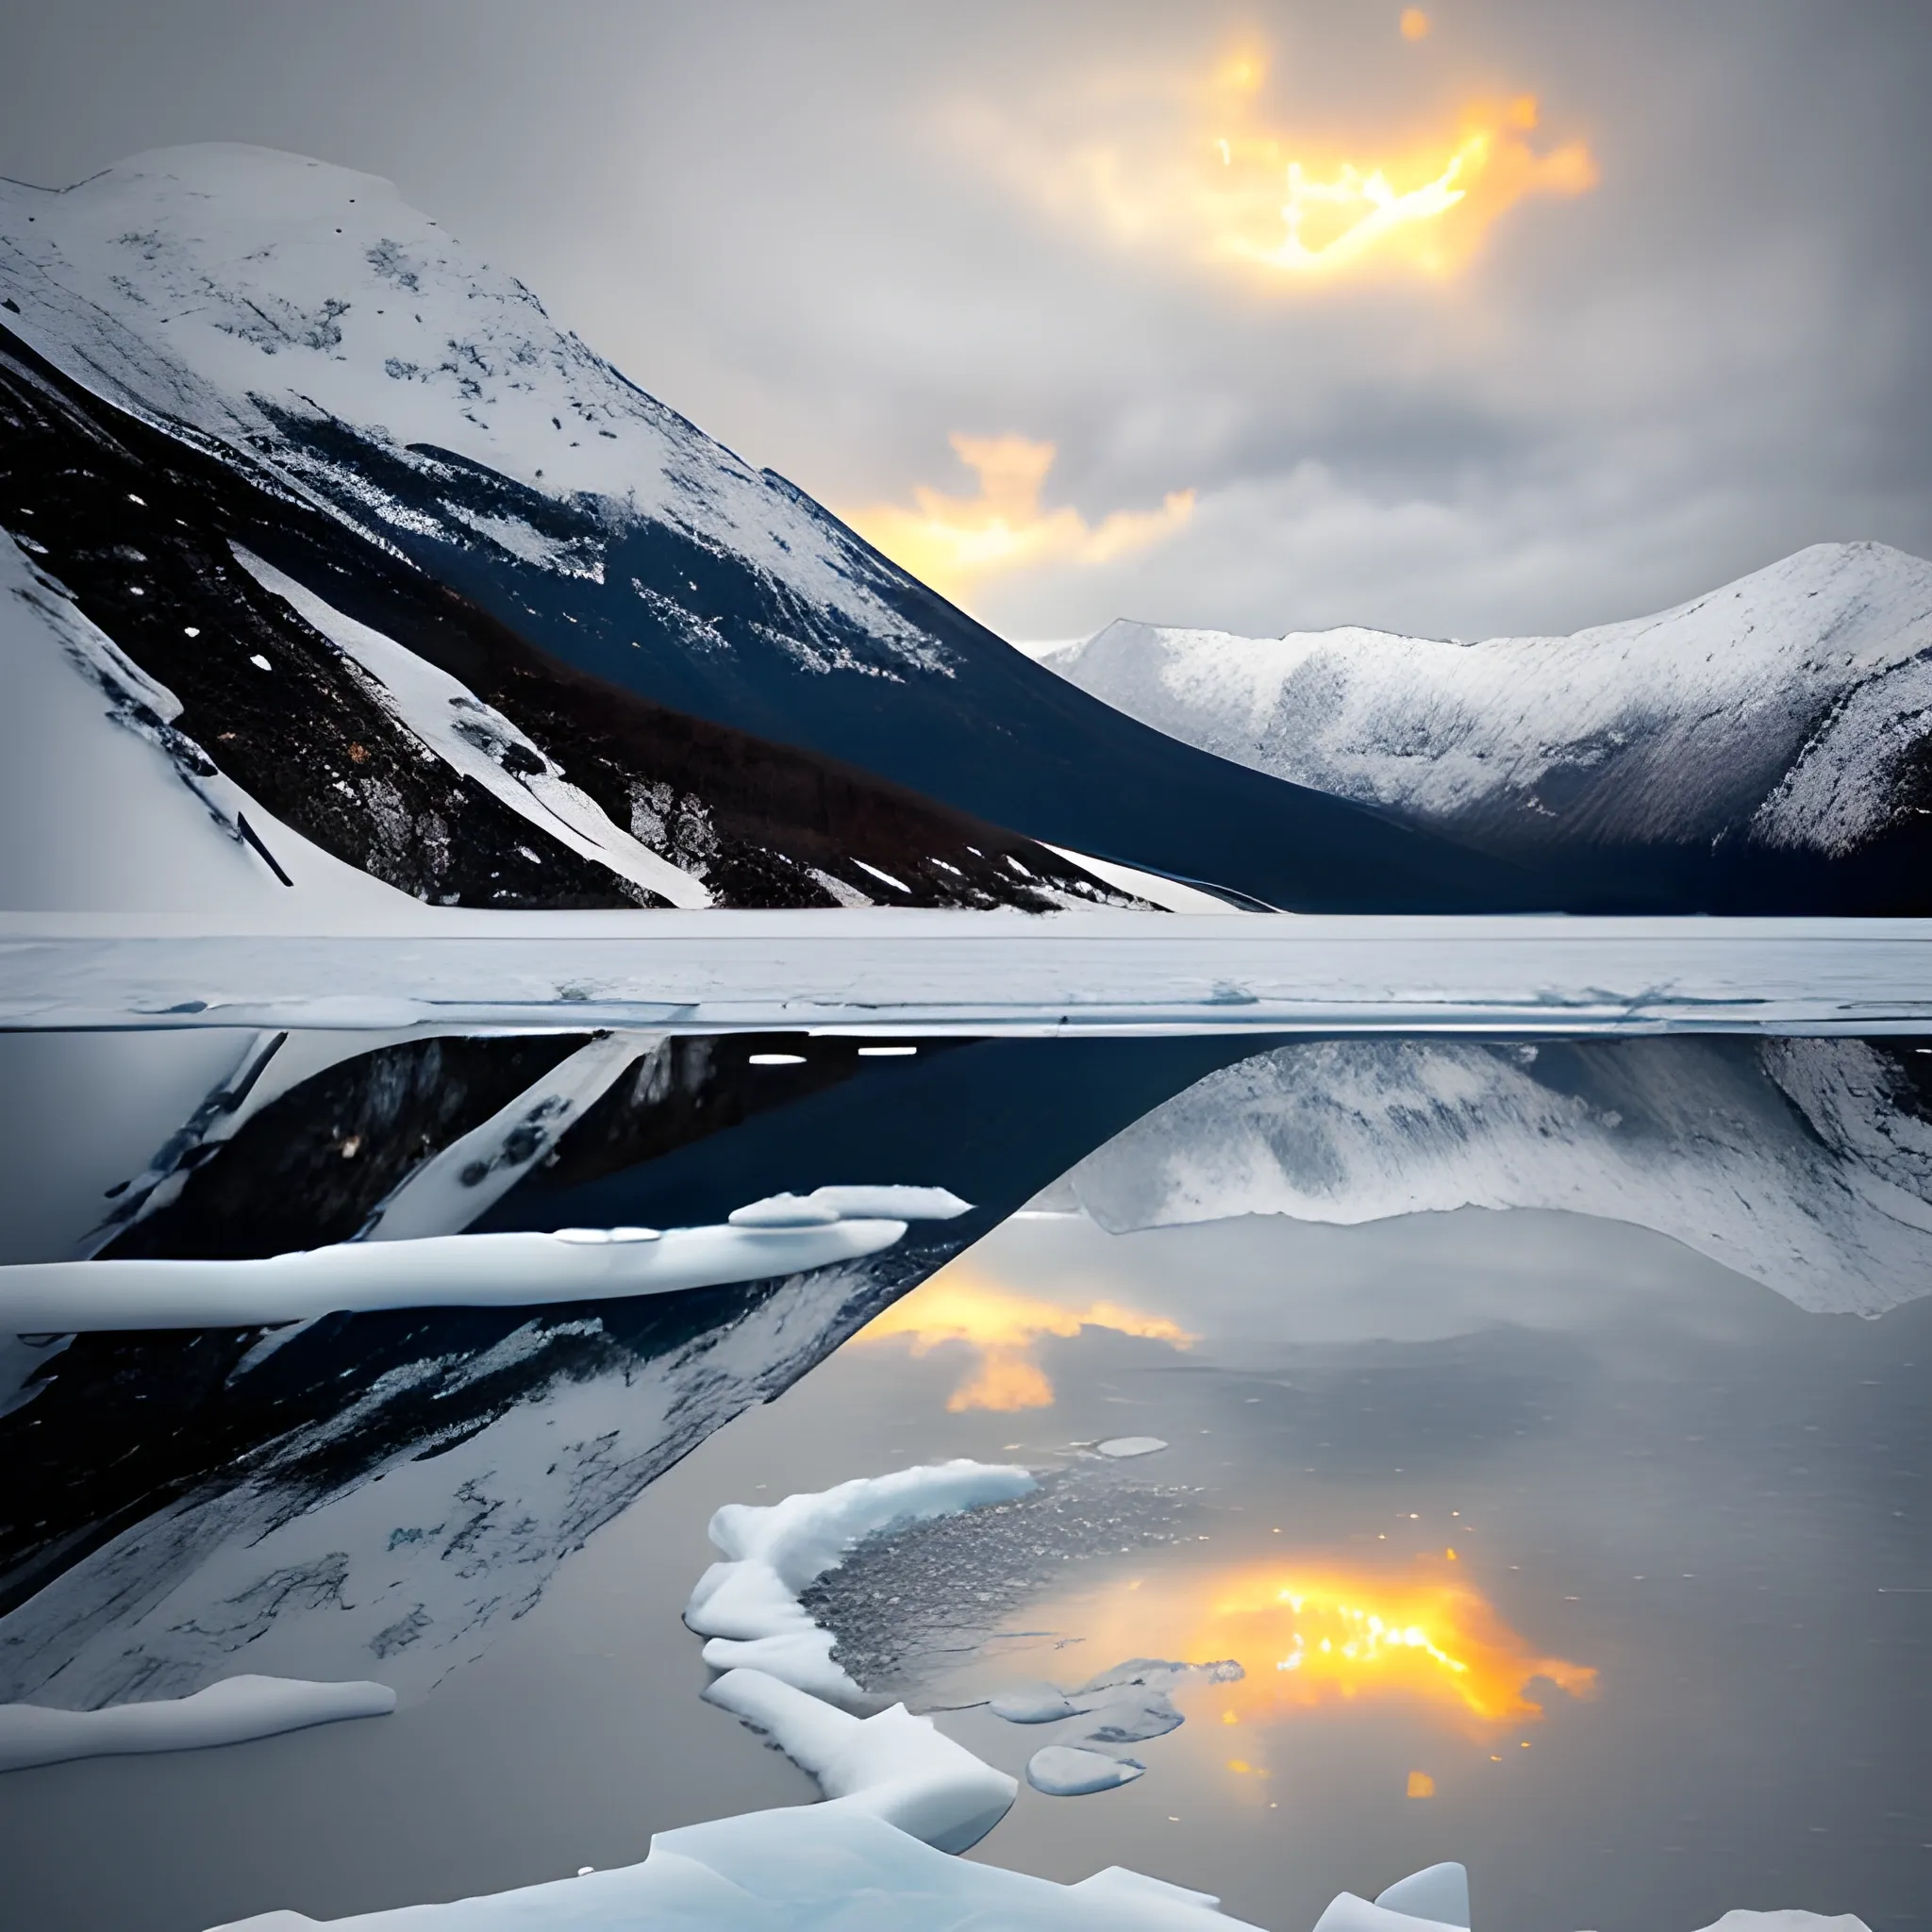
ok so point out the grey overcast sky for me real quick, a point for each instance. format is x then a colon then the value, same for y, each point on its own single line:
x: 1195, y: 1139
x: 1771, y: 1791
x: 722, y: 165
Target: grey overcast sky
x: 1673, y: 330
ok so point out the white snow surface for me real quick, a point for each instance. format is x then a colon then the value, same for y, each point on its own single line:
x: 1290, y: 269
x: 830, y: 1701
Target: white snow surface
x: 227, y: 1712
x: 832, y: 1867
x: 1718, y: 1148
x: 892, y: 1765
x: 465, y: 1271
x: 1785, y: 701
x: 748, y: 1605
x: 1437, y: 1892
x: 471, y: 736
x: 1067, y: 1771
x: 201, y: 283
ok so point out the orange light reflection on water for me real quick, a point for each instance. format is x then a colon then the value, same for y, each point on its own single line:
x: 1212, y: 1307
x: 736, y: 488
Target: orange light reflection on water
x: 1005, y: 1329
x: 1317, y: 1631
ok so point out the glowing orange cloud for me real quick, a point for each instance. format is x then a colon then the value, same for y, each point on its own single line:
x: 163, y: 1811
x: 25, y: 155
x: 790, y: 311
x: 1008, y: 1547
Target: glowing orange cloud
x: 1314, y: 1631
x: 1005, y: 1330
x: 1415, y: 27
x: 1196, y: 170
x: 951, y: 542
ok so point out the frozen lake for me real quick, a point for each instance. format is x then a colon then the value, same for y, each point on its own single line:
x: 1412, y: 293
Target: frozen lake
x: 1632, y: 1327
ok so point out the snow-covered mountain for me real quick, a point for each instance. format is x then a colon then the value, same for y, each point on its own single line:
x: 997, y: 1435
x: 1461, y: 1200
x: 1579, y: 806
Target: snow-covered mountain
x: 530, y: 638
x: 1778, y: 728
x: 1805, y: 1164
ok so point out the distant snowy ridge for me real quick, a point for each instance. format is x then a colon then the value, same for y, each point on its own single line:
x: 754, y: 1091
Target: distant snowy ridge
x: 1791, y: 709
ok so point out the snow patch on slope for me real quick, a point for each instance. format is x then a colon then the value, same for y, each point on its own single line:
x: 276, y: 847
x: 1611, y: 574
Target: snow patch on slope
x: 478, y: 741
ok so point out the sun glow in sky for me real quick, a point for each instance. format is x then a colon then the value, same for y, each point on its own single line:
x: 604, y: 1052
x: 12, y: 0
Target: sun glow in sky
x: 953, y: 543
x: 1004, y: 1330
x: 1204, y: 170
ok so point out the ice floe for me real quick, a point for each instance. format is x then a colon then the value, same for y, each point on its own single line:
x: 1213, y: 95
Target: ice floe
x: 748, y: 1606
x: 763, y: 1240
x: 892, y: 1765
x: 1069, y: 1771
x: 227, y: 1712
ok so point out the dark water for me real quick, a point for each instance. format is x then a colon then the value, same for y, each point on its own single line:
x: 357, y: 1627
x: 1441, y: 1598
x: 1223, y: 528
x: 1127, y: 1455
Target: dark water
x: 1678, y: 1662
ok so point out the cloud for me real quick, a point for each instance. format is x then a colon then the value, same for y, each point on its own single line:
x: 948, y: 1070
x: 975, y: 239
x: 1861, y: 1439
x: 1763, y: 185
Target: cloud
x: 954, y: 543
x: 1199, y: 169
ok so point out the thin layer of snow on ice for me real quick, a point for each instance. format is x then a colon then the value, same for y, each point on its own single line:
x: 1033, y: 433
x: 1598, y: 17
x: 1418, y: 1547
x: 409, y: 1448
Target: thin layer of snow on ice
x: 463, y: 1271
x: 925, y: 971
x: 747, y: 1606
x: 1790, y: 1161
x: 227, y: 1712
x: 202, y: 283
x: 1787, y: 700
x: 1125, y: 1447
x: 476, y: 739
x: 892, y: 1765
x: 1067, y: 1771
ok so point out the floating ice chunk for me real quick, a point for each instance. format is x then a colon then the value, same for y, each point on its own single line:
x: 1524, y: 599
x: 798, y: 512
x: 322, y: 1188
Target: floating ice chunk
x: 444, y: 1270
x: 1787, y: 1922
x: 1032, y: 1704
x: 1130, y: 1445
x: 1065, y: 1771
x: 895, y: 1765
x: 1437, y: 1892
x: 229, y: 1712
x: 748, y: 1604
x: 783, y: 1210
x: 896, y: 1204
x: 1132, y: 1720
